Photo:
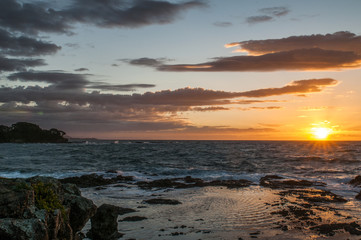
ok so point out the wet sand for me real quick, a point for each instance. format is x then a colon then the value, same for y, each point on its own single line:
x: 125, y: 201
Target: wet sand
x: 253, y: 212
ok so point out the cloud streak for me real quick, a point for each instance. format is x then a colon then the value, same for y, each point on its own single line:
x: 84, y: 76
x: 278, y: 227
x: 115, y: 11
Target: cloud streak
x: 338, y: 41
x: 68, y: 104
x: 269, y: 14
x: 293, y: 60
x: 24, y: 46
x: 59, y: 80
x: 13, y: 64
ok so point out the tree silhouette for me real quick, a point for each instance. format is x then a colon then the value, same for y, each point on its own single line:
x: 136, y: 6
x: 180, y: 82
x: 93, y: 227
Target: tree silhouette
x: 24, y: 132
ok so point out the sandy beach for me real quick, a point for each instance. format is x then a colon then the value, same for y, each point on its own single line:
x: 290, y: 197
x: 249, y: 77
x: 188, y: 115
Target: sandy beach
x: 252, y: 212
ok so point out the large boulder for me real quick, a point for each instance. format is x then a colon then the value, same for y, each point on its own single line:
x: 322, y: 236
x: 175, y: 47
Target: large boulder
x: 81, y: 210
x: 41, y: 208
x: 104, y: 224
x: 16, y: 196
x: 23, y: 229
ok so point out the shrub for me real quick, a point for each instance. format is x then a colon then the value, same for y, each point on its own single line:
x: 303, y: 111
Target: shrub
x: 46, y: 198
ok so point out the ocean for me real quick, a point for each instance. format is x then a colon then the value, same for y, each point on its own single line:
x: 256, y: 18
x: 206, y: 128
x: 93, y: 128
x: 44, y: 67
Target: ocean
x: 334, y: 163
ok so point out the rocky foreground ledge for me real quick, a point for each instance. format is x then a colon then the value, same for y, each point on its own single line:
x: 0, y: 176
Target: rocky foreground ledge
x: 43, y: 208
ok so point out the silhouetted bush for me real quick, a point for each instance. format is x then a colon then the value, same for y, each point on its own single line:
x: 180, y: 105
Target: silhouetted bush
x: 24, y: 132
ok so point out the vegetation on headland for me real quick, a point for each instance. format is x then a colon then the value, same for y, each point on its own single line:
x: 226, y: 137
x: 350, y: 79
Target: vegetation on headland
x: 24, y: 132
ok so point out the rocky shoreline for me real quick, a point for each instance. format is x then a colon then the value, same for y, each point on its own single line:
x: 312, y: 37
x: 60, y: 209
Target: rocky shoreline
x: 41, y: 208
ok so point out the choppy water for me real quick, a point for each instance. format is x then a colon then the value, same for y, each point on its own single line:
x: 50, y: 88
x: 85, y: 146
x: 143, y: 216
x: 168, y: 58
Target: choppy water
x: 227, y: 214
x: 333, y: 162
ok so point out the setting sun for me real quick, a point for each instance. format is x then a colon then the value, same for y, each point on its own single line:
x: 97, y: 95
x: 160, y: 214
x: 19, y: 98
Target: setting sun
x: 321, y: 133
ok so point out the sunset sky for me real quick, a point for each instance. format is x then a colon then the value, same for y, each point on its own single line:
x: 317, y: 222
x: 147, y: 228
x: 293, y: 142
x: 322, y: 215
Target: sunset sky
x: 232, y: 70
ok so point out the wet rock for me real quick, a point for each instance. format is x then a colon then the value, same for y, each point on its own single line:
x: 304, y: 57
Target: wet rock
x: 19, y: 229
x: 274, y: 181
x: 41, y: 208
x: 329, y: 229
x: 16, y: 196
x: 356, y: 181
x: 104, y: 224
x: 133, y: 219
x: 162, y: 183
x: 94, y: 180
x: 358, y: 196
x: 81, y: 210
x: 189, y: 182
x: 315, y: 195
x: 162, y: 201
x: 230, y: 183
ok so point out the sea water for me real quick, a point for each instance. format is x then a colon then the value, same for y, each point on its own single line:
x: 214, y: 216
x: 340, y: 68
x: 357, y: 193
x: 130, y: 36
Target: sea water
x: 332, y: 162
x: 227, y: 213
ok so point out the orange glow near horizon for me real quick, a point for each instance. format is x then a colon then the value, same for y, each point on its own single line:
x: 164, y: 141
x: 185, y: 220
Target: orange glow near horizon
x: 321, y: 133
x: 322, y: 130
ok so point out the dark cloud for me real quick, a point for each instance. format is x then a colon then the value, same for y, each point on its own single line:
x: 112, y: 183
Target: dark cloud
x: 222, y: 24
x: 338, y: 41
x: 120, y: 87
x: 136, y: 112
x: 295, y: 87
x: 268, y: 14
x: 258, y: 19
x: 58, y: 79
x: 118, y: 13
x: 185, y: 97
x: 24, y: 46
x: 298, y: 59
x: 12, y: 64
x: 209, y: 109
x: 37, y: 17
x: 31, y: 18
x: 68, y: 81
x: 147, y: 62
x: 275, y: 11
x: 81, y: 69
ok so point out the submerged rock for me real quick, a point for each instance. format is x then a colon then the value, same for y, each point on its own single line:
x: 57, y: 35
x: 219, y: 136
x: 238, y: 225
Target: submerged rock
x: 329, y: 229
x: 274, y: 181
x: 133, y: 219
x: 162, y: 201
x: 94, y: 180
x: 189, y: 182
x: 41, y: 208
x: 356, y: 181
x: 315, y: 195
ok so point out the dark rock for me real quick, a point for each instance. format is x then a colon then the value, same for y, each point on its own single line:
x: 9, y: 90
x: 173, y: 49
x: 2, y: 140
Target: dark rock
x: 161, y: 183
x: 41, y: 208
x: 81, y: 210
x: 94, y: 180
x: 189, y: 182
x: 356, y: 181
x: 162, y: 201
x: 230, y: 183
x: 133, y: 219
x: 23, y: 229
x: 329, y: 229
x: 358, y: 196
x: 104, y: 225
x: 315, y: 195
x: 15, y: 197
x: 274, y: 181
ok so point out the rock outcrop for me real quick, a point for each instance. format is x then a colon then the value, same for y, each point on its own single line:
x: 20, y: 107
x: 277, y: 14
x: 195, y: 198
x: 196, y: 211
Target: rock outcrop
x: 104, y: 224
x: 41, y: 208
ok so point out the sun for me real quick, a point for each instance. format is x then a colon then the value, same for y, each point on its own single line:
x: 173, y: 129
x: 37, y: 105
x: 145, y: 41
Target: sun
x: 321, y: 133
